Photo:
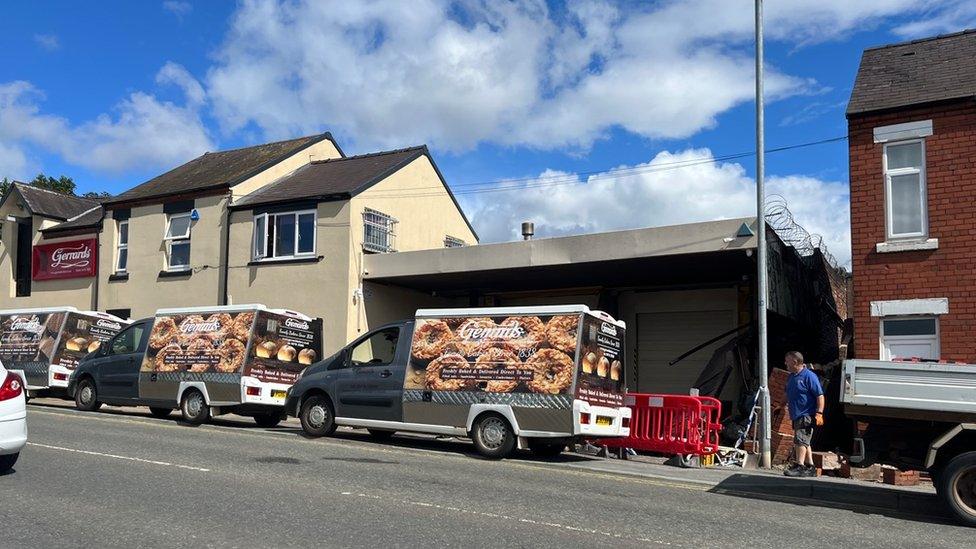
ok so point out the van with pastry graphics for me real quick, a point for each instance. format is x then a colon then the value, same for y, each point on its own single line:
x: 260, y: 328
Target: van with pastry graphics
x: 526, y: 377
x: 206, y: 361
x: 44, y: 345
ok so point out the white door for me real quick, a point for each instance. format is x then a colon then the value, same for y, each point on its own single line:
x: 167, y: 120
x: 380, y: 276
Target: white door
x: 663, y: 337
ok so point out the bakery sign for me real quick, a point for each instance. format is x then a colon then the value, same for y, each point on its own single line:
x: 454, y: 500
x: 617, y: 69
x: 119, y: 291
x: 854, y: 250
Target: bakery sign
x: 72, y: 259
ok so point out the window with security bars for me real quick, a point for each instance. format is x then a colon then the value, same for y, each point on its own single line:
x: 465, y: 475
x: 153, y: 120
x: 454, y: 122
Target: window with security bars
x: 453, y: 242
x: 379, y: 232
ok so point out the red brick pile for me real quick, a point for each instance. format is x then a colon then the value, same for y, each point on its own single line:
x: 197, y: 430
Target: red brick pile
x: 781, y: 430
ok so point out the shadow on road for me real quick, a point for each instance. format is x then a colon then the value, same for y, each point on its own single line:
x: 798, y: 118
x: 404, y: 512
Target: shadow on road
x: 859, y: 498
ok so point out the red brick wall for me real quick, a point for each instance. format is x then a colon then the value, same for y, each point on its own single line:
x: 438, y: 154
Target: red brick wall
x: 949, y: 271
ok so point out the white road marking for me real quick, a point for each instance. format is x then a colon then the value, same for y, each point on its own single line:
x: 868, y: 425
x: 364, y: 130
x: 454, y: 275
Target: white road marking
x: 505, y: 517
x: 127, y: 458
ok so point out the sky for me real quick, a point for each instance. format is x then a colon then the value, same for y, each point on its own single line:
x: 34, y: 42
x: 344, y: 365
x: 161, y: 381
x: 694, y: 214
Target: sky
x: 581, y: 116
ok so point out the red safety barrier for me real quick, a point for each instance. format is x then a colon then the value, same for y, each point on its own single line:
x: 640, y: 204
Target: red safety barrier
x: 671, y: 424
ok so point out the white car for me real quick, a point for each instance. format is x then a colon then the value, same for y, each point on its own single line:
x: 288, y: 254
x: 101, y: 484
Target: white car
x: 13, y: 418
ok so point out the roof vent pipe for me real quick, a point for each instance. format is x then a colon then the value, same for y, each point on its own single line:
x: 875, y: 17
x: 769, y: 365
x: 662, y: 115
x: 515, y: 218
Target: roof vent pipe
x: 528, y: 229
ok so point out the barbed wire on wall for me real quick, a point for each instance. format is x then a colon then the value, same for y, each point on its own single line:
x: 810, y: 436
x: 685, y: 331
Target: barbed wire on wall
x: 781, y: 220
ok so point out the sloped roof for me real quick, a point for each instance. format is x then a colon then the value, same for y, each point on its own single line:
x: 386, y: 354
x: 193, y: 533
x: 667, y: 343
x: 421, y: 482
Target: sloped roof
x: 90, y: 219
x: 49, y: 203
x: 333, y: 178
x: 341, y: 178
x: 217, y: 170
x: 911, y: 73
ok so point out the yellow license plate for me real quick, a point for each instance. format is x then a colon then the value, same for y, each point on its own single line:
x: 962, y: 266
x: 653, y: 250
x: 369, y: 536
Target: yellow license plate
x: 278, y: 394
x: 604, y: 420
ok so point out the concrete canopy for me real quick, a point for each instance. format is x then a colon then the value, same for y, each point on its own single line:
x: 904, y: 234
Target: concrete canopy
x: 695, y: 253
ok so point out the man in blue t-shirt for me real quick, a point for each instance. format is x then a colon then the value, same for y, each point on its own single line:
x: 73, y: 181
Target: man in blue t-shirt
x: 805, y: 398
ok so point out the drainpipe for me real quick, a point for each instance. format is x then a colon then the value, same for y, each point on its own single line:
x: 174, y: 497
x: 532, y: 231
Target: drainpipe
x: 98, y: 268
x: 225, y: 264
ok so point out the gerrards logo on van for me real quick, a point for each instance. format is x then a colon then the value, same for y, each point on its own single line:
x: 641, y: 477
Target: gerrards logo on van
x: 26, y: 324
x: 608, y: 329
x: 190, y: 326
x: 296, y: 323
x: 505, y: 331
x: 103, y: 323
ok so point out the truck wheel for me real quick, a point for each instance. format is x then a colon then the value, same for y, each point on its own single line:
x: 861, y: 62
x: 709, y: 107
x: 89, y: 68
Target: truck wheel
x: 493, y: 437
x: 160, y: 413
x: 194, y: 407
x: 957, y: 483
x: 317, y: 416
x: 546, y: 449
x: 86, y: 397
x: 380, y: 434
x: 7, y: 462
x: 267, y: 420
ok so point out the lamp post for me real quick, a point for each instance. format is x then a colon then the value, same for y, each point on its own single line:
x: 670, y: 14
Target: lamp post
x: 763, y: 284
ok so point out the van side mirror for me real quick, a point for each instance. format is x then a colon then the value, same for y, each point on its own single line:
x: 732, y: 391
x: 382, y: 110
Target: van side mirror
x: 338, y: 360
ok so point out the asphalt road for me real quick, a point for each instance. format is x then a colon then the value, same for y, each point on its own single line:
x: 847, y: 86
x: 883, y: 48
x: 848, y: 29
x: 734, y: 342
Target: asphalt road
x: 123, y: 479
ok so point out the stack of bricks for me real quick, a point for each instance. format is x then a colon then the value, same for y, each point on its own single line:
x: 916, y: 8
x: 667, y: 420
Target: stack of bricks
x: 781, y: 430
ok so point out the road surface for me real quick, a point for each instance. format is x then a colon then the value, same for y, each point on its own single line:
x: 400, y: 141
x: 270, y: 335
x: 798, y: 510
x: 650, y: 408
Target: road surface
x: 124, y: 479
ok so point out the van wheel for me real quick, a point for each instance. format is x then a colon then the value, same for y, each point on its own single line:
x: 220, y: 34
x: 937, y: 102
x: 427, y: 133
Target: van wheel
x: 493, y: 436
x: 957, y: 487
x: 86, y: 397
x: 160, y: 413
x: 380, y: 434
x: 194, y: 407
x: 267, y: 420
x: 7, y: 462
x: 317, y: 416
x: 546, y: 449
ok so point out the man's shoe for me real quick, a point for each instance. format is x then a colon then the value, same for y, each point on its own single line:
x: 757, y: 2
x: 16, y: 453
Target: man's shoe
x: 794, y: 471
x: 808, y: 471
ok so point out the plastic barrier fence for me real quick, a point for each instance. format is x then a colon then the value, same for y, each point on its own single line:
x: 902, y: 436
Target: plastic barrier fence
x: 671, y: 424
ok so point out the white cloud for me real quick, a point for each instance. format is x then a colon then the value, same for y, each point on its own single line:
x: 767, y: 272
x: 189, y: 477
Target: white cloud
x: 946, y: 17
x: 387, y: 73
x: 49, y: 42
x: 177, y: 7
x: 141, y: 132
x: 672, y: 188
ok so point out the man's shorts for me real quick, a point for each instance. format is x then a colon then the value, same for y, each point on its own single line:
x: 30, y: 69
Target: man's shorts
x: 803, y: 430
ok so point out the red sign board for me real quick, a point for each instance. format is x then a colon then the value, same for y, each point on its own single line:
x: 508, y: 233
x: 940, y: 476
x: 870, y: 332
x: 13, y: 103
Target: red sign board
x: 72, y: 259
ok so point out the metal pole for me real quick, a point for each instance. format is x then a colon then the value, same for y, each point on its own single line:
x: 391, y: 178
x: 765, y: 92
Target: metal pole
x: 763, y: 289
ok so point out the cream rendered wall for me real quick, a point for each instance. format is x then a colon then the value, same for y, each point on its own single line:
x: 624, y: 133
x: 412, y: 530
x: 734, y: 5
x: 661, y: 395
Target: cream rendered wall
x: 8, y: 250
x: 144, y: 291
x: 72, y: 292
x: 323, y: 150
x: 320, y: 289
x: 424, y: 219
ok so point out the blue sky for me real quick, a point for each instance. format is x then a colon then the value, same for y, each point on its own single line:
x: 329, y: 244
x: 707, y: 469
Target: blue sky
x: 616, y: 108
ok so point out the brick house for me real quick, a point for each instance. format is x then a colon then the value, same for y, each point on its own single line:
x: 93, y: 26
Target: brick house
x: 912, y: 138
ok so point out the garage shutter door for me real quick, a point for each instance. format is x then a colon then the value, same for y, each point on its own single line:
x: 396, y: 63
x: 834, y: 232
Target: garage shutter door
x: 663, y: 337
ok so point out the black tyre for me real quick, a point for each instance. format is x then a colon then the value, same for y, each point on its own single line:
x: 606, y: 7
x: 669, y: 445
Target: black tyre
x: 544, y: 449
x: 493, y: 436
x: 86, y: 396
x: 7, y: 462
x: 161, y: 413
x: 194, y: 407
x: 317, y: 416
x: 267, y: 420
x: 380, y: 434
x: 957, y: 487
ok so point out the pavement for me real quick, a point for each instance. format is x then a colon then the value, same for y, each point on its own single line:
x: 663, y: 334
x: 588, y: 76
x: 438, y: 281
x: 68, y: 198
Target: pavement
x: 121, y: 478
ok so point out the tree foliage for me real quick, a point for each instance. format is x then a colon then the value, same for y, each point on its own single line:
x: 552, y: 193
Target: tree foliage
x: 62, y: 184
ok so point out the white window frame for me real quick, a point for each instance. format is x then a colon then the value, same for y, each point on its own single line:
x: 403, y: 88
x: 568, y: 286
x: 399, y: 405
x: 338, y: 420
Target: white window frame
x: 177, y: 239
x: 385, y: 224
x: 883, y: 341
x: 122, y: 246
x: 264, y: 254
x: 923, y: 192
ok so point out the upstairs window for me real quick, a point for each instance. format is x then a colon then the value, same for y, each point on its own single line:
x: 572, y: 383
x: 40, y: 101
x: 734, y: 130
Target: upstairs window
x: 910, y: 337
x: 905, y: 201
x: 379, y: 232
x: 122, y: 248
x: 284, y: 235
x: 453, y: 242
x: 178, y: 242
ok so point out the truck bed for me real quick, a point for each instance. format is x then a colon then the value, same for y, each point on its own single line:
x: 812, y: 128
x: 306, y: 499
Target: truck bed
x: 937, y: 392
